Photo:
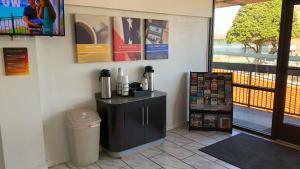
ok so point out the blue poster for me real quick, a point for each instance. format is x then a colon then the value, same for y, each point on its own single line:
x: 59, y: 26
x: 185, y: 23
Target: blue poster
x: 157, y: 38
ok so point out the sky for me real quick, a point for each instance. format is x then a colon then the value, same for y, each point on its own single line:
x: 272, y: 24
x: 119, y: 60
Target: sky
x: 223, y: 20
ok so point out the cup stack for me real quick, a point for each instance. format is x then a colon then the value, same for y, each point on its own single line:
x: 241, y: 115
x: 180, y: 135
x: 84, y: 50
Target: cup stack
x: 125, y: 86
x: 119, y: 81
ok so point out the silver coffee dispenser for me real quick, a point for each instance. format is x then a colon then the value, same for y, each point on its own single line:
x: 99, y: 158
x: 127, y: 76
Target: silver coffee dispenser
x: 105, y: 84
x: 149, y: 75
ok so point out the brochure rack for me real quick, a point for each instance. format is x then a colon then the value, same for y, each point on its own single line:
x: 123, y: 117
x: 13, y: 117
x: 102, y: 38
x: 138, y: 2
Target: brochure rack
x: 211, y: 101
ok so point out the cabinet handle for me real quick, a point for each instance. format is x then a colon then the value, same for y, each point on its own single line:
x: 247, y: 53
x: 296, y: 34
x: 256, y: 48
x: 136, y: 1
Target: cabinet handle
x: 147, y: 113
x: 143, y: 116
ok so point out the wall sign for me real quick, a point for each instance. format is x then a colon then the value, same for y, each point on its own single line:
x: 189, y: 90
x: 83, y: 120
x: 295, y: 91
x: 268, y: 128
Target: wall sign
x: 16, y: 61
x: 156, y: 39
x: 93, y: 38
x: 127, y: 39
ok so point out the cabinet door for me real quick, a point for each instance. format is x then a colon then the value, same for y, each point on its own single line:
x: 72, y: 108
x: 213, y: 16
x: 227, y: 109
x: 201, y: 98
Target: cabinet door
x: 134, y: 124
x: 155, y: 119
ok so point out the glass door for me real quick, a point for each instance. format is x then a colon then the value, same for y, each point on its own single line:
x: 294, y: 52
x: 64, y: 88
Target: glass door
x: 288, y: 76
x: 245, y: 43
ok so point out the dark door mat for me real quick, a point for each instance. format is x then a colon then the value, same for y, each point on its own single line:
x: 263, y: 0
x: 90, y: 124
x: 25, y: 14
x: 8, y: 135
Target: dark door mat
x: 249, y: 152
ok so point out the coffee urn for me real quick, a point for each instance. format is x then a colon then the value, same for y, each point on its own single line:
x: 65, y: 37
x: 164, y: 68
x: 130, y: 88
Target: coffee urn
x: 105, y: 84
x: 149, y: 75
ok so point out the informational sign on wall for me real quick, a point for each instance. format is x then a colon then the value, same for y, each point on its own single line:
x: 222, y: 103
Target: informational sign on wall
x: 127, y: 39
x: 92, y: 38
x: 157, y: 39
x: 16, y: 61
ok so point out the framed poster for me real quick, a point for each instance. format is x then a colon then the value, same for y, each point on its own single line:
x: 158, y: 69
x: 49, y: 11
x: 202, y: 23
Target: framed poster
x: 93, y: 38
x: 127, y: 39
x: 16, y: 61
x: 156, y: 39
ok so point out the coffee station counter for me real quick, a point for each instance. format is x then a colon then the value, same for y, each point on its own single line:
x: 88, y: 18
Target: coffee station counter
x: 131, y: 123
x: 121, y: 99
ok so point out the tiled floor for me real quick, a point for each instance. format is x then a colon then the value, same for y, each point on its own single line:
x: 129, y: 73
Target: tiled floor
x: 180, y: 151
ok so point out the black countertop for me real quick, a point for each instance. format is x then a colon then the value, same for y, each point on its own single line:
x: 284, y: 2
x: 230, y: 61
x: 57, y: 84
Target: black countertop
x: 122, y: 100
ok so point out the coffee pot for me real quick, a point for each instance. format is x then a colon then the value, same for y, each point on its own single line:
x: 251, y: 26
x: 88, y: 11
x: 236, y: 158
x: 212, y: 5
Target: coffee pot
x: 149, y: 75
x: 105, y: 81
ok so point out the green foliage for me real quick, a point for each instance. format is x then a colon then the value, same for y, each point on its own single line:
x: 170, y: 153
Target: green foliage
x: 259, y: 23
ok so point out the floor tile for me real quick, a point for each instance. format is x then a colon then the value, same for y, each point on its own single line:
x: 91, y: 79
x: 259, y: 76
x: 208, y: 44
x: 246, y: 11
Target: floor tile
x: 180, y: 131
x: 71, y: 165
x: 61, y: 166
x: 227, y: 165
x: 138, y: 161
x: 199, y: 162
x: 220, y: 136
x: 200, y: 138
x: 169, y: 162
x: 126, y: 167
x: 179, y: 151
x: 107, y: 162
x: 206, y: 133
x: 151, y: 152
x: 178, y: 139
x: 194, y: 147
x: 235, y: 132
x: 92, y: 166
x: 175, y: 150
x: 207, y: 156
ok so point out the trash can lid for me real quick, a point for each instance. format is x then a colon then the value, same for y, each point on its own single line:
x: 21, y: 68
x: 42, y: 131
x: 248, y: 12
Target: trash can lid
x: 83, y: 118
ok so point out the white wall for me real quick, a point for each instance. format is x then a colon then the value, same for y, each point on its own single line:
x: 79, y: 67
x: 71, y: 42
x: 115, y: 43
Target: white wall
x: 20, y: 113
x: 66, y: 85
x: 200, y: 8
x: 56, y: 84
x: 1, y: 152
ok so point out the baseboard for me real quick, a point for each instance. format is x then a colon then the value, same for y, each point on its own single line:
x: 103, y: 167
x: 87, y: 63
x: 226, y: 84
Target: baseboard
x: 55, y: 162
x: 134, y: 150
x: 176, y: 125
x: 52, y: 163
x: 41, y: 167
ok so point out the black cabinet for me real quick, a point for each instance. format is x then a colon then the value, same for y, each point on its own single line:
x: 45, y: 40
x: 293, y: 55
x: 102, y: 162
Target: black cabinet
x: 134, y: 124
x: 128, y: 122
x: 154, y: 112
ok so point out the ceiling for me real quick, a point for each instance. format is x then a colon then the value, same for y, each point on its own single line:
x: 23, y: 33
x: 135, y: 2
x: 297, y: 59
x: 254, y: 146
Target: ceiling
x: 227, y: 3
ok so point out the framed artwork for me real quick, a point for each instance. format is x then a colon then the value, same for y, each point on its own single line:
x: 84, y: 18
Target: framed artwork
x: 93, y: 38
x: 156, y: 39
x: 127, y: 39
x: 16, y: 61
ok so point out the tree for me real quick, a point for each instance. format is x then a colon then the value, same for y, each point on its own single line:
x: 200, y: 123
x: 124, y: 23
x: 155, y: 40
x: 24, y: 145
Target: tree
x: 258, y: 24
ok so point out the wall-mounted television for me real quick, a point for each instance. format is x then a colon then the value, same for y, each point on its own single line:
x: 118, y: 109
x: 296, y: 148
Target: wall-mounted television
x: 32, y: 17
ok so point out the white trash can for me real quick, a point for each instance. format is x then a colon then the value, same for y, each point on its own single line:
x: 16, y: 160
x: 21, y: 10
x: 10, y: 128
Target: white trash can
x: 84, y: 136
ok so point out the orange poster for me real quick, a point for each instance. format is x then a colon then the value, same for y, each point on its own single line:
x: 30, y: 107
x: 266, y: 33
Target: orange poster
x: 16, y: 61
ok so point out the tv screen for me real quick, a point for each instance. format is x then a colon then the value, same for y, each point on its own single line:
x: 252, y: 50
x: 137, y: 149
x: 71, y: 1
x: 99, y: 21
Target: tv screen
x: 32, y: 17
